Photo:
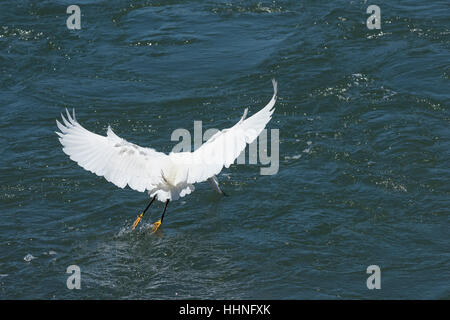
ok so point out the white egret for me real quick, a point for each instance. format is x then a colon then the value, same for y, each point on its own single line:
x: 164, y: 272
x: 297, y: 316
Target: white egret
x: 164, y: 177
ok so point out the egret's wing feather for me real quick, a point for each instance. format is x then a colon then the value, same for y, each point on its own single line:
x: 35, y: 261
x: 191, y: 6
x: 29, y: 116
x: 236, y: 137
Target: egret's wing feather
x: 222, y: 149
x: 119, y: 161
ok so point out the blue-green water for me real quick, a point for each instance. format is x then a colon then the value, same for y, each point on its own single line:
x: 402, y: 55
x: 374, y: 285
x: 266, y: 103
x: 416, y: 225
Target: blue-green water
x: 363, y: 117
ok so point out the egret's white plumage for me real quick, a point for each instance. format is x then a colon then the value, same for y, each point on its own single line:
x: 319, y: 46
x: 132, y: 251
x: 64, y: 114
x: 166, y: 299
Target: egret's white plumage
x: 167, y: 177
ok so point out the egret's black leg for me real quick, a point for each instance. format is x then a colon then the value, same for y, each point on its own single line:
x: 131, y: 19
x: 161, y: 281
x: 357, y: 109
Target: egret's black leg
x: 148, y: 206
x: 139, y: 217
x: 157, y: 224
x: 164, y: 211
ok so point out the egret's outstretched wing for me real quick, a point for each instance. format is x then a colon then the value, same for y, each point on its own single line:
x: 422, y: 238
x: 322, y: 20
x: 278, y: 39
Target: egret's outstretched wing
x: 112, y: 157
x: 225, y: 146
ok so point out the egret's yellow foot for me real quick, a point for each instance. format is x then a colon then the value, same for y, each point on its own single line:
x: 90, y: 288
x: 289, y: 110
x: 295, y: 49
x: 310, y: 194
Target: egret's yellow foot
x: 136, y: 222
x: 156, y: 226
